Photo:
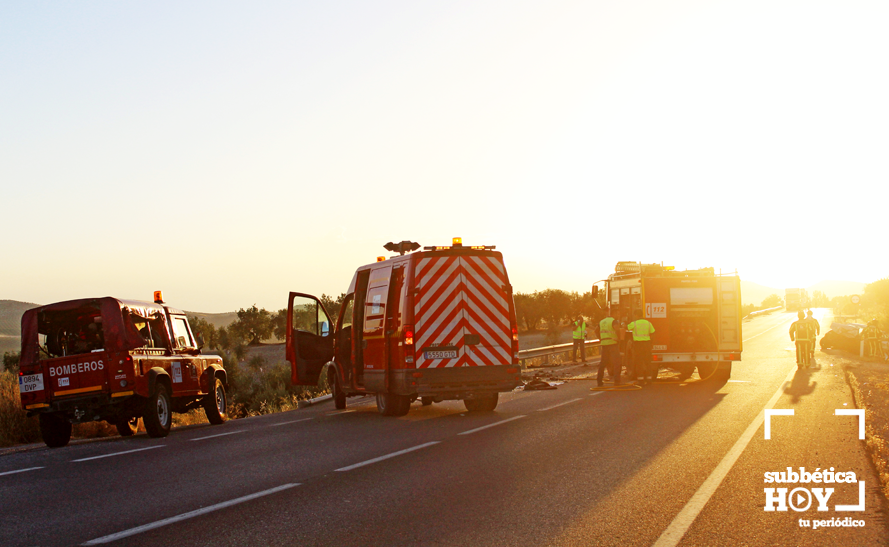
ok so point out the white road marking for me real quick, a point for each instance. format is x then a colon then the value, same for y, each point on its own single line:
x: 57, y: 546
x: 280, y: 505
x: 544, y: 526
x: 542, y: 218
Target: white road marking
x: 501, y: 422
x: 291, y: 422
x: 597, y: 393
x: 386, y: 457
x: 19, y: 471
x: 184, y: 516
x: 219, y: 435
x: 674, y: 532
x: 558, y: 405
x: 118, y: 453
x: 338, y: 412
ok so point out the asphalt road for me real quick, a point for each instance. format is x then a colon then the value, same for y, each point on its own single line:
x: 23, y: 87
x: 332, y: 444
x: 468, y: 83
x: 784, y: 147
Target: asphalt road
x: 670, y: 464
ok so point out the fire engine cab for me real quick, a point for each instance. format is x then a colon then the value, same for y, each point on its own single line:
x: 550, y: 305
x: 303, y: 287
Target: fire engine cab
x: 696, y: 315
x: 437, y: 324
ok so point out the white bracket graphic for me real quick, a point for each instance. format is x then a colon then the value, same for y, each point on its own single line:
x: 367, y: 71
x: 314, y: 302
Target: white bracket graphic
x: 774, y: 412
x: 860, y: 506
x: 860, y: 414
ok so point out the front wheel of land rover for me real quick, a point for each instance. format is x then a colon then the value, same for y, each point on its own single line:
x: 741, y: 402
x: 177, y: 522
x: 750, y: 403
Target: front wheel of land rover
x: 215, y: 403
x: 157, y: 416
x: 391, y: 404
x: 482, y: 403
x: 339, y: 398
x: 55, y: 429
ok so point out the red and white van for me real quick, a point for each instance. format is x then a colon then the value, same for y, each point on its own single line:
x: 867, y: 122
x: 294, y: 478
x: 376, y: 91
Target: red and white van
x: 437, y: 324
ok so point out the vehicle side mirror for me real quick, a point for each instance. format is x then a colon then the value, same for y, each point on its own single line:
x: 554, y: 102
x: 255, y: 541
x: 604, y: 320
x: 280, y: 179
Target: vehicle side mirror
x: 200, y: 341
x: 325, y: 328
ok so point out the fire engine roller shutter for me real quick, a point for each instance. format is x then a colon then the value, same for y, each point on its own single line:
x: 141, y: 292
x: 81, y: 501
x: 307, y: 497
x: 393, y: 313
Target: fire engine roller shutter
x: 461, y: 295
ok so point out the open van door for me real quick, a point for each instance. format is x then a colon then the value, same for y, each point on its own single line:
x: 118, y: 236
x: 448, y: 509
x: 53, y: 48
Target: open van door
x: 309, y: 338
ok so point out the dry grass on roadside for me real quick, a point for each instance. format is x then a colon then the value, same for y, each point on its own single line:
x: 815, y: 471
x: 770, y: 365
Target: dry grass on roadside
x: 15, y: 426
x: 870, y: 385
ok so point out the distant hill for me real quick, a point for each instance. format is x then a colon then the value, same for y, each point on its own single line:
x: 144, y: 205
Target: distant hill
x: 11, y: 316
x: 216, y: 319
x: 838, y: 288
x: 754, y: 293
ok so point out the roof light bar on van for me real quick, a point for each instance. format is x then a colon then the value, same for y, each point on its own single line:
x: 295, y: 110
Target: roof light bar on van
x: 158, y: 297
x: 381, y: 258
x: 457, y: 242
x: 473, y: 247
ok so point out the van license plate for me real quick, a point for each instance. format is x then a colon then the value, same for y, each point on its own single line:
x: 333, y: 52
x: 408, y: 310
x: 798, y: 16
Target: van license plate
x: 31, y: 383
x: 440, y: 354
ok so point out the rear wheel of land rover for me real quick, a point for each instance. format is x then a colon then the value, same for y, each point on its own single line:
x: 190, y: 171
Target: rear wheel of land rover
x: 482, y: 403
x: 391, y: 404
x: 55, y: 429
x: 127, y: 426
x: 157, y: 417
x: 215, y: 403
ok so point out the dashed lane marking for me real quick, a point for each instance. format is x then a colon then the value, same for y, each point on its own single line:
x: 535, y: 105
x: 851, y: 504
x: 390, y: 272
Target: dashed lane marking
x: 118, y: 453
x: 185, y: 516
x: 291, y: 422
x: 218, y: 435
x: 19, y: 471
x: 501, y: 422
x: 386, y: 457
x: 558, y: 405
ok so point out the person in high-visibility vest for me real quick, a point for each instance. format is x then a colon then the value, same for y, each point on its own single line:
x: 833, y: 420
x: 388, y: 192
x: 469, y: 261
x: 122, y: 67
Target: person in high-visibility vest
x: 803, y: 333
x: 816, y: 326
x: 871, y: 336
x: 608, y: 347
x: 579, y: 335
x: 642, y: 330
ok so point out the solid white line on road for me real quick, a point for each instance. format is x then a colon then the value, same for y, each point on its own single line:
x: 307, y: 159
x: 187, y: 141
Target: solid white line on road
x: 218, y: 435
x: 118, y: 453
x: 184, y: 516
x: 338, y: 412
x: 19, y: 471
x: 597, y: 393
x: 673, y: 534
x: 386, y: 457
x: 501, y: 422
x: 291, y: 422
x: 558, y: 405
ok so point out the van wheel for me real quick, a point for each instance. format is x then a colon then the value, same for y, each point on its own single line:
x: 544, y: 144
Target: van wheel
x: 339, y: 398
x: 215, y: 403
x: 482, y: 403
x: 55, y: 429
x: 706, y: 370
x: 391, y: 404
x: 127, y: 426
x: 427, y: 400
x: 157, y: 415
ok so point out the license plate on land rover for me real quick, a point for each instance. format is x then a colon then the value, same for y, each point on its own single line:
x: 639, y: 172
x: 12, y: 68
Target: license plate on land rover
x: 30, y: 383
x: 440, y: 353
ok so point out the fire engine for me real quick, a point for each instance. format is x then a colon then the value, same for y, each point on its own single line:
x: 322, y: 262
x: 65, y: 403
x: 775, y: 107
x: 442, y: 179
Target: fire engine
x: 696, y: 315
x: 437, y: 324
x: 116, y: 360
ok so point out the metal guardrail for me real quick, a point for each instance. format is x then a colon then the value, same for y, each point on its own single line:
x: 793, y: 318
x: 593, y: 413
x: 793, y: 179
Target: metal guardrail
x: 548, y: 351
x: 763, y: 312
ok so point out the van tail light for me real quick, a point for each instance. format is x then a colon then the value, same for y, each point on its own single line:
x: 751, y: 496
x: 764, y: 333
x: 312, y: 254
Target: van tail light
x: 515, y: 345
x: 408, y: 343
x: 656, y: 357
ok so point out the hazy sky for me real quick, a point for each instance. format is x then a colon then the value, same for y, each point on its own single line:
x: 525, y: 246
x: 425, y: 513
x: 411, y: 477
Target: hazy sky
x: 228, y: 152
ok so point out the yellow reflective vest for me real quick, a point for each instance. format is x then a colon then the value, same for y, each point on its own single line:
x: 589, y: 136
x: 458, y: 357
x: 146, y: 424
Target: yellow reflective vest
x: 607, y: 334
x: 642, y: 329
x: 579, y: 330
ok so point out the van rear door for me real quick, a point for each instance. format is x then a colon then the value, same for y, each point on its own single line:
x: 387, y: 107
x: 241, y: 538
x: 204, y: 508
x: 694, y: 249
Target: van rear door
x: 462, y: 311
x: 309, y: 338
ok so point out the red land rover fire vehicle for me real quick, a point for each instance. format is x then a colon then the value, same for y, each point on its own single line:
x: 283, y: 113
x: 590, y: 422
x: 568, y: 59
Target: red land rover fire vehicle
x: 696, y: 315
x: 438, y: 325
x: 115, y: 360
